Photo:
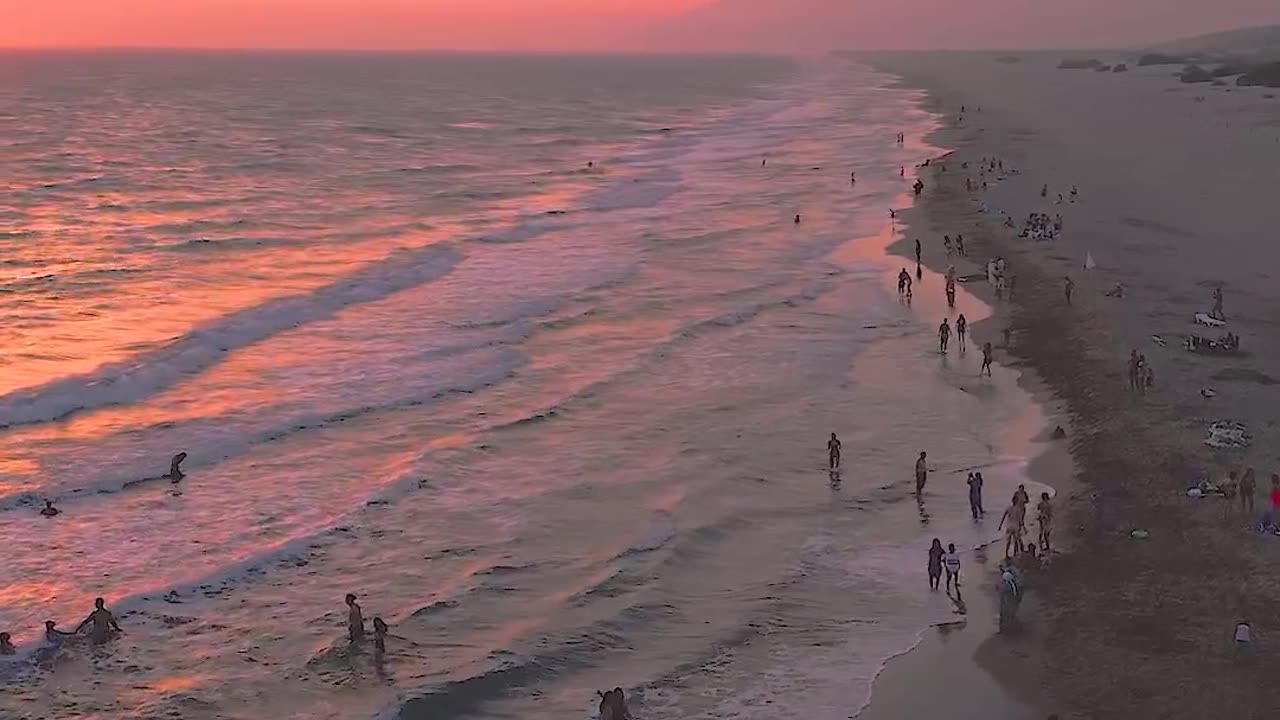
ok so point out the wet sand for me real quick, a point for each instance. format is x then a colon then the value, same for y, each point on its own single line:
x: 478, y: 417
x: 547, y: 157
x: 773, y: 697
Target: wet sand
x: 1171, y: 202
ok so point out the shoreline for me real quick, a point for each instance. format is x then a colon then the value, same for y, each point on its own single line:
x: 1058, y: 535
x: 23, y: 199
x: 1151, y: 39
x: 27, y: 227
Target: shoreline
x: 1145, y: 632
x: 957, y: 658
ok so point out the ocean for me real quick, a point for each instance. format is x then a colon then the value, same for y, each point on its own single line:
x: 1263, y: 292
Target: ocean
x: 528, y: 352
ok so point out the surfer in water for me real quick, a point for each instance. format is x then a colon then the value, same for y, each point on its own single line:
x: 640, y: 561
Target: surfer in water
x: 103, y: 622
x: 833, y: 452
x: 175, y: 467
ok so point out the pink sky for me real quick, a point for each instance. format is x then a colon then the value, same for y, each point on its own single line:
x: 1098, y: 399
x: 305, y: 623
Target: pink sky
x: 617, y: 24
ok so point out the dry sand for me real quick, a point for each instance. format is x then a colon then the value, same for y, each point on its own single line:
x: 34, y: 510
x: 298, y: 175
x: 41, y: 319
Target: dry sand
x: 1176, y: 196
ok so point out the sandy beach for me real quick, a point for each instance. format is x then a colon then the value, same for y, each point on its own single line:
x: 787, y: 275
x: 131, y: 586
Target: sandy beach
x: 1171, y: 203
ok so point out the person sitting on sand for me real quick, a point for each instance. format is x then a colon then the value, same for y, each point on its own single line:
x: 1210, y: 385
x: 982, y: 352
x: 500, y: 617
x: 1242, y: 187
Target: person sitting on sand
x: 935, y: 563
x: 1044, y: 518
x: 49, y: 510
x: 1012, y: 523
x: 175, y: 467
x: 103, y: 622
x: 833, y: 452
x: 944, y: 334
x: 1243, y: 636
x: 962, y: 326
x: 355, y: 619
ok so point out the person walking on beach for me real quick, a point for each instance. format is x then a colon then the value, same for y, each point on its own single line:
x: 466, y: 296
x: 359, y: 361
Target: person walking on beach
x: 944, y: 334
x: 935, y: 563
x: 355, y: 619
x: 951, y: 563
x: 922, y: 472
x: 1248, y: 486
x: 1012, y: 523
x: 962, y: 325
x: 1217, y: 304
x: 960, y: 245
x: 917, y: 252
x: 975, y: 495
x: 833, y: 452
x: 1044, y: 518
x: 1067, y: 287
x: 904, y: 277
x: 103, y: 622
x: 1020, y: 495
x: 986, y: 360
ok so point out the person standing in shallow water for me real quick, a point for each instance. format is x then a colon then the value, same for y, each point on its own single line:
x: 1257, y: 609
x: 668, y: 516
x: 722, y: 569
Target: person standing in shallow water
x: 922, y: 472
x: 833, y: 452
x: 975, y: 495
x: 944, y: 334
x: 103, y: 622
x: 962, y: 326
x: 1068, y: 286
x: 1013, y: 522
x: 986, y: 360
x: 935, y: 563
x: 355, y: 619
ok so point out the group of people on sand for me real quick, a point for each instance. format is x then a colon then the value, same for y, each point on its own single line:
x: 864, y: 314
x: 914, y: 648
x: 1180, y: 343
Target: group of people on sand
x: 1040, y: 226
x: 1014, y: 524
x: 1141, y: 375
x: 102, y: 626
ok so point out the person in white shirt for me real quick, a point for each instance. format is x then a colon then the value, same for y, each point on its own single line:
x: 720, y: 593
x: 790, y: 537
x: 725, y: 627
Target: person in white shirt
x: 1243, y: 635
x: 951, y: 563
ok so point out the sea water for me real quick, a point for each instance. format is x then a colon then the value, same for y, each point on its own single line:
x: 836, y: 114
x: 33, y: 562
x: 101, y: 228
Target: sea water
x: 530, y: 353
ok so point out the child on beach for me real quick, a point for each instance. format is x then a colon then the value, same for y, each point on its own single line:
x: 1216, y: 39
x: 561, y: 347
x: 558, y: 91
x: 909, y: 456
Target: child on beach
x: 951, y: 562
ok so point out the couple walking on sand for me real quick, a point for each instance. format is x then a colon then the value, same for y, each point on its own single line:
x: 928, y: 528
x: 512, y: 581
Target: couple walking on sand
x: 940, y: 560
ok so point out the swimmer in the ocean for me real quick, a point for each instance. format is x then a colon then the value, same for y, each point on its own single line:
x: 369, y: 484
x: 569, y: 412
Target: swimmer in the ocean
x: 6, y: 645
x: 104, y: 623
x: 853, y: 178
x: 53, y: 635
x: 49, y: 510
x: 175, y: 467
x: 797, y: 219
